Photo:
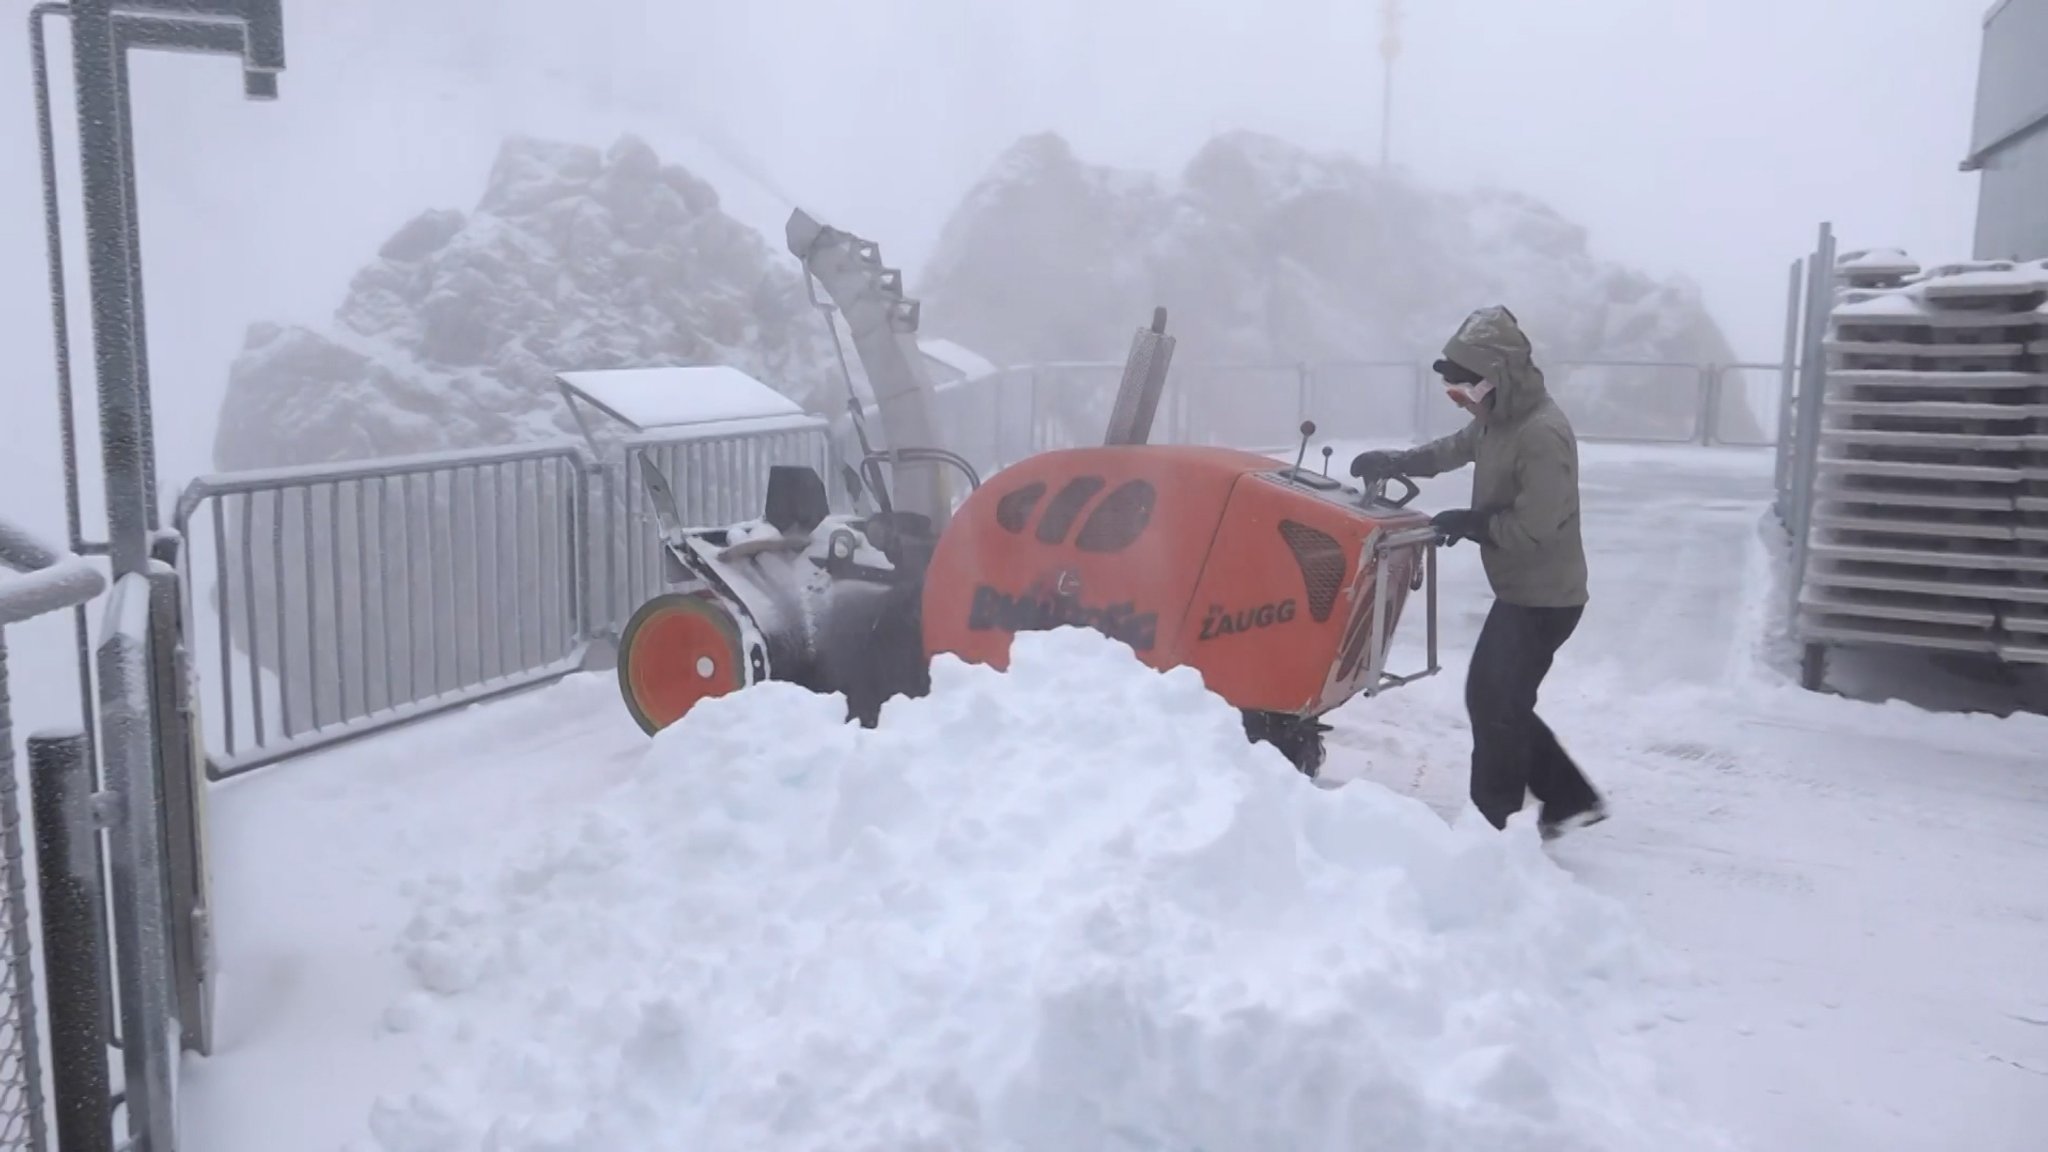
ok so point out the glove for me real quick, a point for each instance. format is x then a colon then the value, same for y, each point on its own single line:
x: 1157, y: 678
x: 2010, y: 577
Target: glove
x: 1371, y: 466
x: 1455, y: 524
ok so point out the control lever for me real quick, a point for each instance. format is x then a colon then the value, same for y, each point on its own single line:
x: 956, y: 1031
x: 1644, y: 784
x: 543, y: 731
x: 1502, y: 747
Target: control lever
x: 1308, y: 429
x: 1377, y: 491
x: 1326, y: 460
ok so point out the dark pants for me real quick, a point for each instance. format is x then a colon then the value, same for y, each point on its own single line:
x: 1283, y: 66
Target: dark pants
x: 1513, y: 751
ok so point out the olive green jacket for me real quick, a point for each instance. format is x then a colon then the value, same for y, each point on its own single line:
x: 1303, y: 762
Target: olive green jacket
x: 1525, y: 479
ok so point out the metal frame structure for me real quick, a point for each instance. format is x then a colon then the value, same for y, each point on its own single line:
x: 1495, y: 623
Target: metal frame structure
x: 1808, y: 405
x: 451, y: 614
x: 1383, y: 545
x: 150, y: 803
x: 1918, y: 498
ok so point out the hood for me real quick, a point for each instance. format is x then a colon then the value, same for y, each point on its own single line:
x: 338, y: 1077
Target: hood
x: 1491, y: 343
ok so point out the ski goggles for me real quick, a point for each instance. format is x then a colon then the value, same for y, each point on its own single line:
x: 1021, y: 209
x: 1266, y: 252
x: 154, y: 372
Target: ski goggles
x: 1454, y: 373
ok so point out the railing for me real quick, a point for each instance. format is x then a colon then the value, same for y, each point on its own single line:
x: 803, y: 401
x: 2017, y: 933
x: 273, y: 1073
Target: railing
x: 347, y: 598
x: 47, y: 581
x: 338, y: 600
x: 342, y: 600
x: 1017, y: 411
x: 718, y: 480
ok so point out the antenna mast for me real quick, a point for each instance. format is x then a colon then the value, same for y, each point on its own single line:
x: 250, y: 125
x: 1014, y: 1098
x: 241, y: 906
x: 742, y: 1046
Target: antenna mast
x: 1390, y: 50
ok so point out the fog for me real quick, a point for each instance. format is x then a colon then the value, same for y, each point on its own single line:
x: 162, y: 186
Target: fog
x: 1699, y: 140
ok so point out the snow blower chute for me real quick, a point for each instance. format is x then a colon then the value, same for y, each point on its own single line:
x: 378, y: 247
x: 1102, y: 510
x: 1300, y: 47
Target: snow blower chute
x: 1281, y: 585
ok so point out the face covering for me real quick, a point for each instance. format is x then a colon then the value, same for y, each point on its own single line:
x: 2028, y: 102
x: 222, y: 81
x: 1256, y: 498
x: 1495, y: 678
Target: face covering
x: 1471, y: 397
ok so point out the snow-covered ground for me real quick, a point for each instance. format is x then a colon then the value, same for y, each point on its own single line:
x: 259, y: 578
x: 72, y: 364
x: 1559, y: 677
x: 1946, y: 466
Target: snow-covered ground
x: 1067, y: 912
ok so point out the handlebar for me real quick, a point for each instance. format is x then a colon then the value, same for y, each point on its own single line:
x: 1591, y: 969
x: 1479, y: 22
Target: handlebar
x: 1377, y: 492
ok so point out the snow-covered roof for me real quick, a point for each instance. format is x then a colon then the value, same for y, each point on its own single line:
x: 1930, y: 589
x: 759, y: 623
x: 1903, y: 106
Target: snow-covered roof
x: 646, y: 398
x: 1878, y: 259
x: 971, y: 365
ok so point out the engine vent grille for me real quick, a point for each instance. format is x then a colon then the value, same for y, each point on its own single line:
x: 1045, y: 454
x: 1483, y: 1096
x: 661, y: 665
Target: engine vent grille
x: 1323, y: 566
x: 1119, y: 520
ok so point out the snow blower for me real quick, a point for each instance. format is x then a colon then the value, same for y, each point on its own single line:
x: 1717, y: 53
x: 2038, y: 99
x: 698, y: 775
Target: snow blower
x: 1281, y: 585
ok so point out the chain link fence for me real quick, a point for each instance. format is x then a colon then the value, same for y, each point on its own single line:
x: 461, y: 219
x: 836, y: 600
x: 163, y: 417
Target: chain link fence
x: 44, y: 580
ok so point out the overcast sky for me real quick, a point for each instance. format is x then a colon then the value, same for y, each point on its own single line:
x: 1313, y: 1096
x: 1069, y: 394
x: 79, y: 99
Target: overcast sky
x: 1706, y: 140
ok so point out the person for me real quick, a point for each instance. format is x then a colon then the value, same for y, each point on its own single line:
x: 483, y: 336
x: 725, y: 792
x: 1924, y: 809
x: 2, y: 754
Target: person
x: 1525, y: 519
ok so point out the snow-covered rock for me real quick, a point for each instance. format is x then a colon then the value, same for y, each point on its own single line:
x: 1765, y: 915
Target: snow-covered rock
x: 1265, y: 252
x: 572, y: 258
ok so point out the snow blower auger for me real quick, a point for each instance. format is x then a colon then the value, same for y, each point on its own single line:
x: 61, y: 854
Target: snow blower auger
x: 1281, y: 585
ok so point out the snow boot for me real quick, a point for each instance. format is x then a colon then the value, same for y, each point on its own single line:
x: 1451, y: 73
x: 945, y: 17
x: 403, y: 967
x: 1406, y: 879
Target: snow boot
x: 1552, y: 825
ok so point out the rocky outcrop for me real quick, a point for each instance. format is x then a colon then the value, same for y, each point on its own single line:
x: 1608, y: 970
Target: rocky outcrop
x: 1265, y: 253
x: 572, y: 258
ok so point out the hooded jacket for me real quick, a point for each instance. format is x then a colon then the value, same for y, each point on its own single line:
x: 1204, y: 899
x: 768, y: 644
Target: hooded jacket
x: 1525, y: 479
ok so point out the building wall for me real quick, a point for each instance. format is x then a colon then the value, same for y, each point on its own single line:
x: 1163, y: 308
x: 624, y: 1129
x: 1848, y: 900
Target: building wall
x: 2012, y: 202
x: 2009, y: 142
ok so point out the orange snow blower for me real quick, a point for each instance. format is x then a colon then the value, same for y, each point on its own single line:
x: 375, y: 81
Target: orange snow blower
x: 1282, y: 586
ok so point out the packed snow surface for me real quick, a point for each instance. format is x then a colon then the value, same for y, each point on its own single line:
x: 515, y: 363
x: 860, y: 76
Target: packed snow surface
x: 467, y: 923
x: 1063, y: 907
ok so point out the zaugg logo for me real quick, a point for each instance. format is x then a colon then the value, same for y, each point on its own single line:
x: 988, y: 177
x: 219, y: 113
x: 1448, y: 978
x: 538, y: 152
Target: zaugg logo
x: 998, y: 611
x: 1221, y: 623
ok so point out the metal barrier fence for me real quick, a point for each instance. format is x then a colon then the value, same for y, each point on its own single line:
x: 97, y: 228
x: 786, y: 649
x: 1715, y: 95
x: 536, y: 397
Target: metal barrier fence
x: 344, y: 599
x: 347, y: 598
x: 718, y: 480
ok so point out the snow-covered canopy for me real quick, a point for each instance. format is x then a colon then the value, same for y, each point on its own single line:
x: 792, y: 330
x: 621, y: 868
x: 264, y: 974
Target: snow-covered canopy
x: 708, y: 397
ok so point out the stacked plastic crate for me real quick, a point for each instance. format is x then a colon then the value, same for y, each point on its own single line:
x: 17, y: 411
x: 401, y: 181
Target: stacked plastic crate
x: 1930, y: 516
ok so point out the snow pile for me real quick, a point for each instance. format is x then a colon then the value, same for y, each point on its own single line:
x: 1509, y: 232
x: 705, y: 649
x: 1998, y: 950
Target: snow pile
x: 1067, y: 907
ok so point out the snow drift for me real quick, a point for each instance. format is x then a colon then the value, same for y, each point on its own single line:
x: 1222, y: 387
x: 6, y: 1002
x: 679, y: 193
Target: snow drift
x: 1063, y: 907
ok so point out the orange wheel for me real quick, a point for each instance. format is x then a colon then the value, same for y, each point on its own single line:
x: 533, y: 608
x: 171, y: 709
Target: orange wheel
x: 676, y: 650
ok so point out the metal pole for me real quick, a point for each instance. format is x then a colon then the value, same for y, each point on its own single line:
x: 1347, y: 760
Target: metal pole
x: 123, y: 444
x: 1812, y: 386
x: 1788, y: 375
x: 136, y: 849
x: 60, y: 321
x: 135, y: 294
x: 53, y: 239
x: 1390, y: 50
x: 1421, y: 402
x: 1387, y: 114
x: 1710, y: 403
x: 74, y: 938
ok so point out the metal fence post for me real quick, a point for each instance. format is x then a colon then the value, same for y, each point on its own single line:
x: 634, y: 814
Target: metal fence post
x: 1812, y: 389
x: 1710, y: 402
x: 141, y: 938
x: 100, y: 116
x: 1788, y: 377
x: 179, y: 761
x: 74, y: 938
x: 1421, y: 402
